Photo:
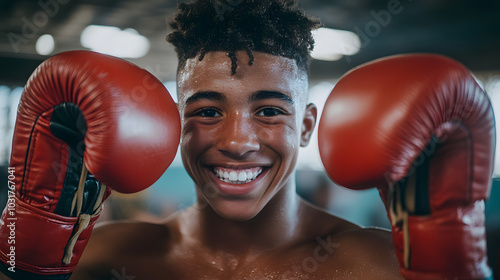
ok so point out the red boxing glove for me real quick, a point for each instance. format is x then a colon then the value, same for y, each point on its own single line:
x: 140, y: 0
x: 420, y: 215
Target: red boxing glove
x: 421, y: 130
x: 85, y: 121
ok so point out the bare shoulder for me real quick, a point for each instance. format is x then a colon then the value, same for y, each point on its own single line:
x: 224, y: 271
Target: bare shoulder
x: 125, y: 236
x: 368, y: 242
x: 114, y: 244
x: 369, y: 251
x: 353, y: 252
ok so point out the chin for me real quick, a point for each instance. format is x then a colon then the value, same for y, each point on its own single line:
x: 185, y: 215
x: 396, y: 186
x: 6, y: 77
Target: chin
x: 236, y: 210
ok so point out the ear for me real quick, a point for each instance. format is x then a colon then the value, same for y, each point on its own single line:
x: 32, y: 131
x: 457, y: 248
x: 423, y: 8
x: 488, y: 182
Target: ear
x: 308, y: 124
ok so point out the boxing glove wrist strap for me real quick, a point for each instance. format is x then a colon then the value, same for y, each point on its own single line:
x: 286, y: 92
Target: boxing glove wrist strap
x: 25, y: 275
x: 42, y: 240
x: 432, y: 251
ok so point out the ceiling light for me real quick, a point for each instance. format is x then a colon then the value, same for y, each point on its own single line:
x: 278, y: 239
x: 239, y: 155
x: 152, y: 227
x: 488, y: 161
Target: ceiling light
x: 127, y: 43
x: 45, y: 44
x: 332, y: 44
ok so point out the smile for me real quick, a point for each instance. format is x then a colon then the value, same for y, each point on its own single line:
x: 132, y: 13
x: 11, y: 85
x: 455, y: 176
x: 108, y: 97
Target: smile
x: 237, y: 176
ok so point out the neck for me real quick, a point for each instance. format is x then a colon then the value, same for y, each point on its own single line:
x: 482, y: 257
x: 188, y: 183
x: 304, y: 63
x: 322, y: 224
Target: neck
x: 274, y: 226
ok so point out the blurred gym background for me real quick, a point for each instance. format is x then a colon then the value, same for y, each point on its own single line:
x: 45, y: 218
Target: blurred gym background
x: 356, y: 31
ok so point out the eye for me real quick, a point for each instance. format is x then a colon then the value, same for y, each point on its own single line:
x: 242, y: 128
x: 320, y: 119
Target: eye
x: 208, y: 113
x: 270, y: 112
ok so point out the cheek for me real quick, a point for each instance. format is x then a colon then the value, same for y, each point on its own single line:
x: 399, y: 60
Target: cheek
x: 194, y: 140
x: 282, y: 139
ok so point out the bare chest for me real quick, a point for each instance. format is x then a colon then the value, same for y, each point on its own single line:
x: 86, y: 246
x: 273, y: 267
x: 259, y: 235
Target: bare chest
x: 316, y: 261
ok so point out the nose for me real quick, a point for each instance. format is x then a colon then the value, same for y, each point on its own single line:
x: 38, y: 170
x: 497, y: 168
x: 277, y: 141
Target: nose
x: 238, y: 137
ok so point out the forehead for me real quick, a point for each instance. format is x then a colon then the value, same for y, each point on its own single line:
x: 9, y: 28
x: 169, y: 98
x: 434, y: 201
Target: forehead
x: 268, y: 72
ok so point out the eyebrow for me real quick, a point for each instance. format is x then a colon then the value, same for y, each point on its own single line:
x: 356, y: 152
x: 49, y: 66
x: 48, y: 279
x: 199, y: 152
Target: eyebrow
x: 266, y: 94
x: 256, y: 96
x: 206, y: 95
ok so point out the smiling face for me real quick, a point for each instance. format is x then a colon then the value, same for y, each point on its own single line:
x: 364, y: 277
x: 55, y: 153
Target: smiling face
x: 241, y: 133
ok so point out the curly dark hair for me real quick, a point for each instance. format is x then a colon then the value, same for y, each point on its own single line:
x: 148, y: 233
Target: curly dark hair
x: 277, y: 27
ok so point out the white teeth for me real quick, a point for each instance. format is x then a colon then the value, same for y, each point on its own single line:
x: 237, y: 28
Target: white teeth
x: 242, y: 177
x: 236, y: 176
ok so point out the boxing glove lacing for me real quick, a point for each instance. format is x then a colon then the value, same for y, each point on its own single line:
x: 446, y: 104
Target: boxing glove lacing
x: 83, y: 218
x: 399, y: 216
x: 410, y: 196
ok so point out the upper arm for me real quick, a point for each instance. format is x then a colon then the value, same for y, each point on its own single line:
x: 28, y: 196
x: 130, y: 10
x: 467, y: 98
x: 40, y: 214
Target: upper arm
x: 92, y: 264
x: 114, y: 246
